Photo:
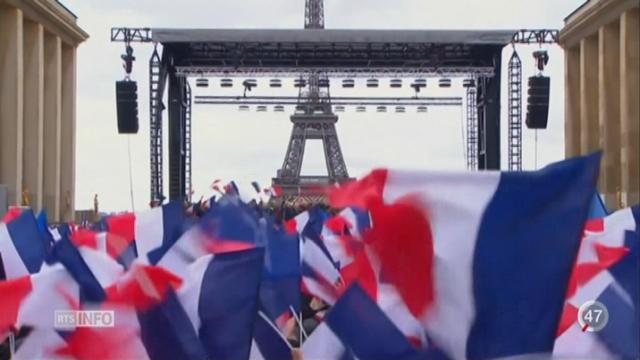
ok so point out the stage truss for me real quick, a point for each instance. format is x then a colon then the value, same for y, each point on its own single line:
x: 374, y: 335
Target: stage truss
x: 335, y: 54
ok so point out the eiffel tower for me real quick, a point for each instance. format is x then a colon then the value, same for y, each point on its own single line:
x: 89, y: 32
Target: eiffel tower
x: 313, y: 119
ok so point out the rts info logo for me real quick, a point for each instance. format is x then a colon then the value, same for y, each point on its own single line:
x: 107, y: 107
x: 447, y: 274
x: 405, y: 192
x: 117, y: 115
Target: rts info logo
x: 71, y: 319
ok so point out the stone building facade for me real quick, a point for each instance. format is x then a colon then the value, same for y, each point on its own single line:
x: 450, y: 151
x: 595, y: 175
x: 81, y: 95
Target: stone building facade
x: 38, y: 41
x: 601, y: 40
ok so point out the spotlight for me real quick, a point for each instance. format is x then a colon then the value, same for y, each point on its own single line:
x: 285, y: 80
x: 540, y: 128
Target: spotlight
x: 444, y: 83
x: 248, y: 85
x: 299, y: 83
x: 348, y: 83
x: 202, y: 82
x: 275, y: 83
x: 128, y: 60
x: 419, y: 84
x: 542, y: 58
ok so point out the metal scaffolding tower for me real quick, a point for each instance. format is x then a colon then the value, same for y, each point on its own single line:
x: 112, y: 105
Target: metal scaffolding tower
x: 187, y: 142
x: 314, y: 14
x: 472, y: 129
x: 155, y: 125
x: 515, y: 112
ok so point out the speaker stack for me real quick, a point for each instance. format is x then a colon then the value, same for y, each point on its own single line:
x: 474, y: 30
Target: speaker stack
x: 538, y: 102
x: 127, y: 105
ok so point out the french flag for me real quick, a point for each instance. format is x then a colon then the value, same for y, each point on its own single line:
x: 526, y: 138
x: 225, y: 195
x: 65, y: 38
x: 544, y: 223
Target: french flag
x: 297, y: 224
x: 31, y: 301
x: 617, y: 289
x: 85, y: 278
x: 485, y: 257
x: 320, y: 272
x: 167, y: 333
x: 342, y: 234
x: 280, y: 286
x: 92, y: 270
x: 72, y: 276
x: 220, y: 298
x: 106, y: 243
x: 143, y: 232
x: 269, y: 343
x: 356, y: 328
x: 279, y: 296
x: 606, y: 270
x: 22, y: 247
x: 227, y: 227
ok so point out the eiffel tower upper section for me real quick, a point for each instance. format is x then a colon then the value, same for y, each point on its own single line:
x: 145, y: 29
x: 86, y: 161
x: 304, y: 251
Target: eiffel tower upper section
x: 313, y: 119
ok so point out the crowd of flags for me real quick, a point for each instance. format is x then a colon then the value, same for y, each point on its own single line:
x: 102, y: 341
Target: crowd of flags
x: 407, y: 265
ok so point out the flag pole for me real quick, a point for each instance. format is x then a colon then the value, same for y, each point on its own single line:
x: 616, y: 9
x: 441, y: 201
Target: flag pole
x: 301, y: 331
x: 12, y: 344
x: 299, y: 322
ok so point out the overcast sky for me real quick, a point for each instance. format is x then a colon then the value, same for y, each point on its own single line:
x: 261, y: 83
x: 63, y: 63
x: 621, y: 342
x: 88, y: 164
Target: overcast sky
x: 228, y: 144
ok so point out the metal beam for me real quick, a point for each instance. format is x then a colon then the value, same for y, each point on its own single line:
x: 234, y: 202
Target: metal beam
x: 347, y: 100
x: 128, y: 35
x: 343, y: 72
x: 538, y: 36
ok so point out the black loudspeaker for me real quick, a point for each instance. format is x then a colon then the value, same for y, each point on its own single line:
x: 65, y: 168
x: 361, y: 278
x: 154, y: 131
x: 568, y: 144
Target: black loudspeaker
x: 127, y: 104
x: 538, y: 102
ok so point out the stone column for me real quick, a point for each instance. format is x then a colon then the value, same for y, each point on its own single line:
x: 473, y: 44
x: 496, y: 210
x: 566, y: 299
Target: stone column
x: 589, y: 94
x: 52, y: 113
x: 572, y: 101
x: 68, y: 132
x: 11, y: 98
x: 630, y: 106
x: 33, y: 164
x: 609, y: 111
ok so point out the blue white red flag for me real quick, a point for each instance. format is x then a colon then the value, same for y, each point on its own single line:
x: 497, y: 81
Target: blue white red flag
x: 220, y: 298
x: 607, y: 271
x: 356, y: 328
x: 465, y: 251
x: 22, y: 247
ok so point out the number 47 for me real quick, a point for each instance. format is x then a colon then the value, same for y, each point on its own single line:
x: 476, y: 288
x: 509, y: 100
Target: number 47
x: 589, y: 316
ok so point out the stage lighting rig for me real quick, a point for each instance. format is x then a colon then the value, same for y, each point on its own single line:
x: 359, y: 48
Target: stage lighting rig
x: 202, y: 82
x: 542, y: 59
x: 248, y: 85
x: 419, y: 84
x: 128, y: 60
